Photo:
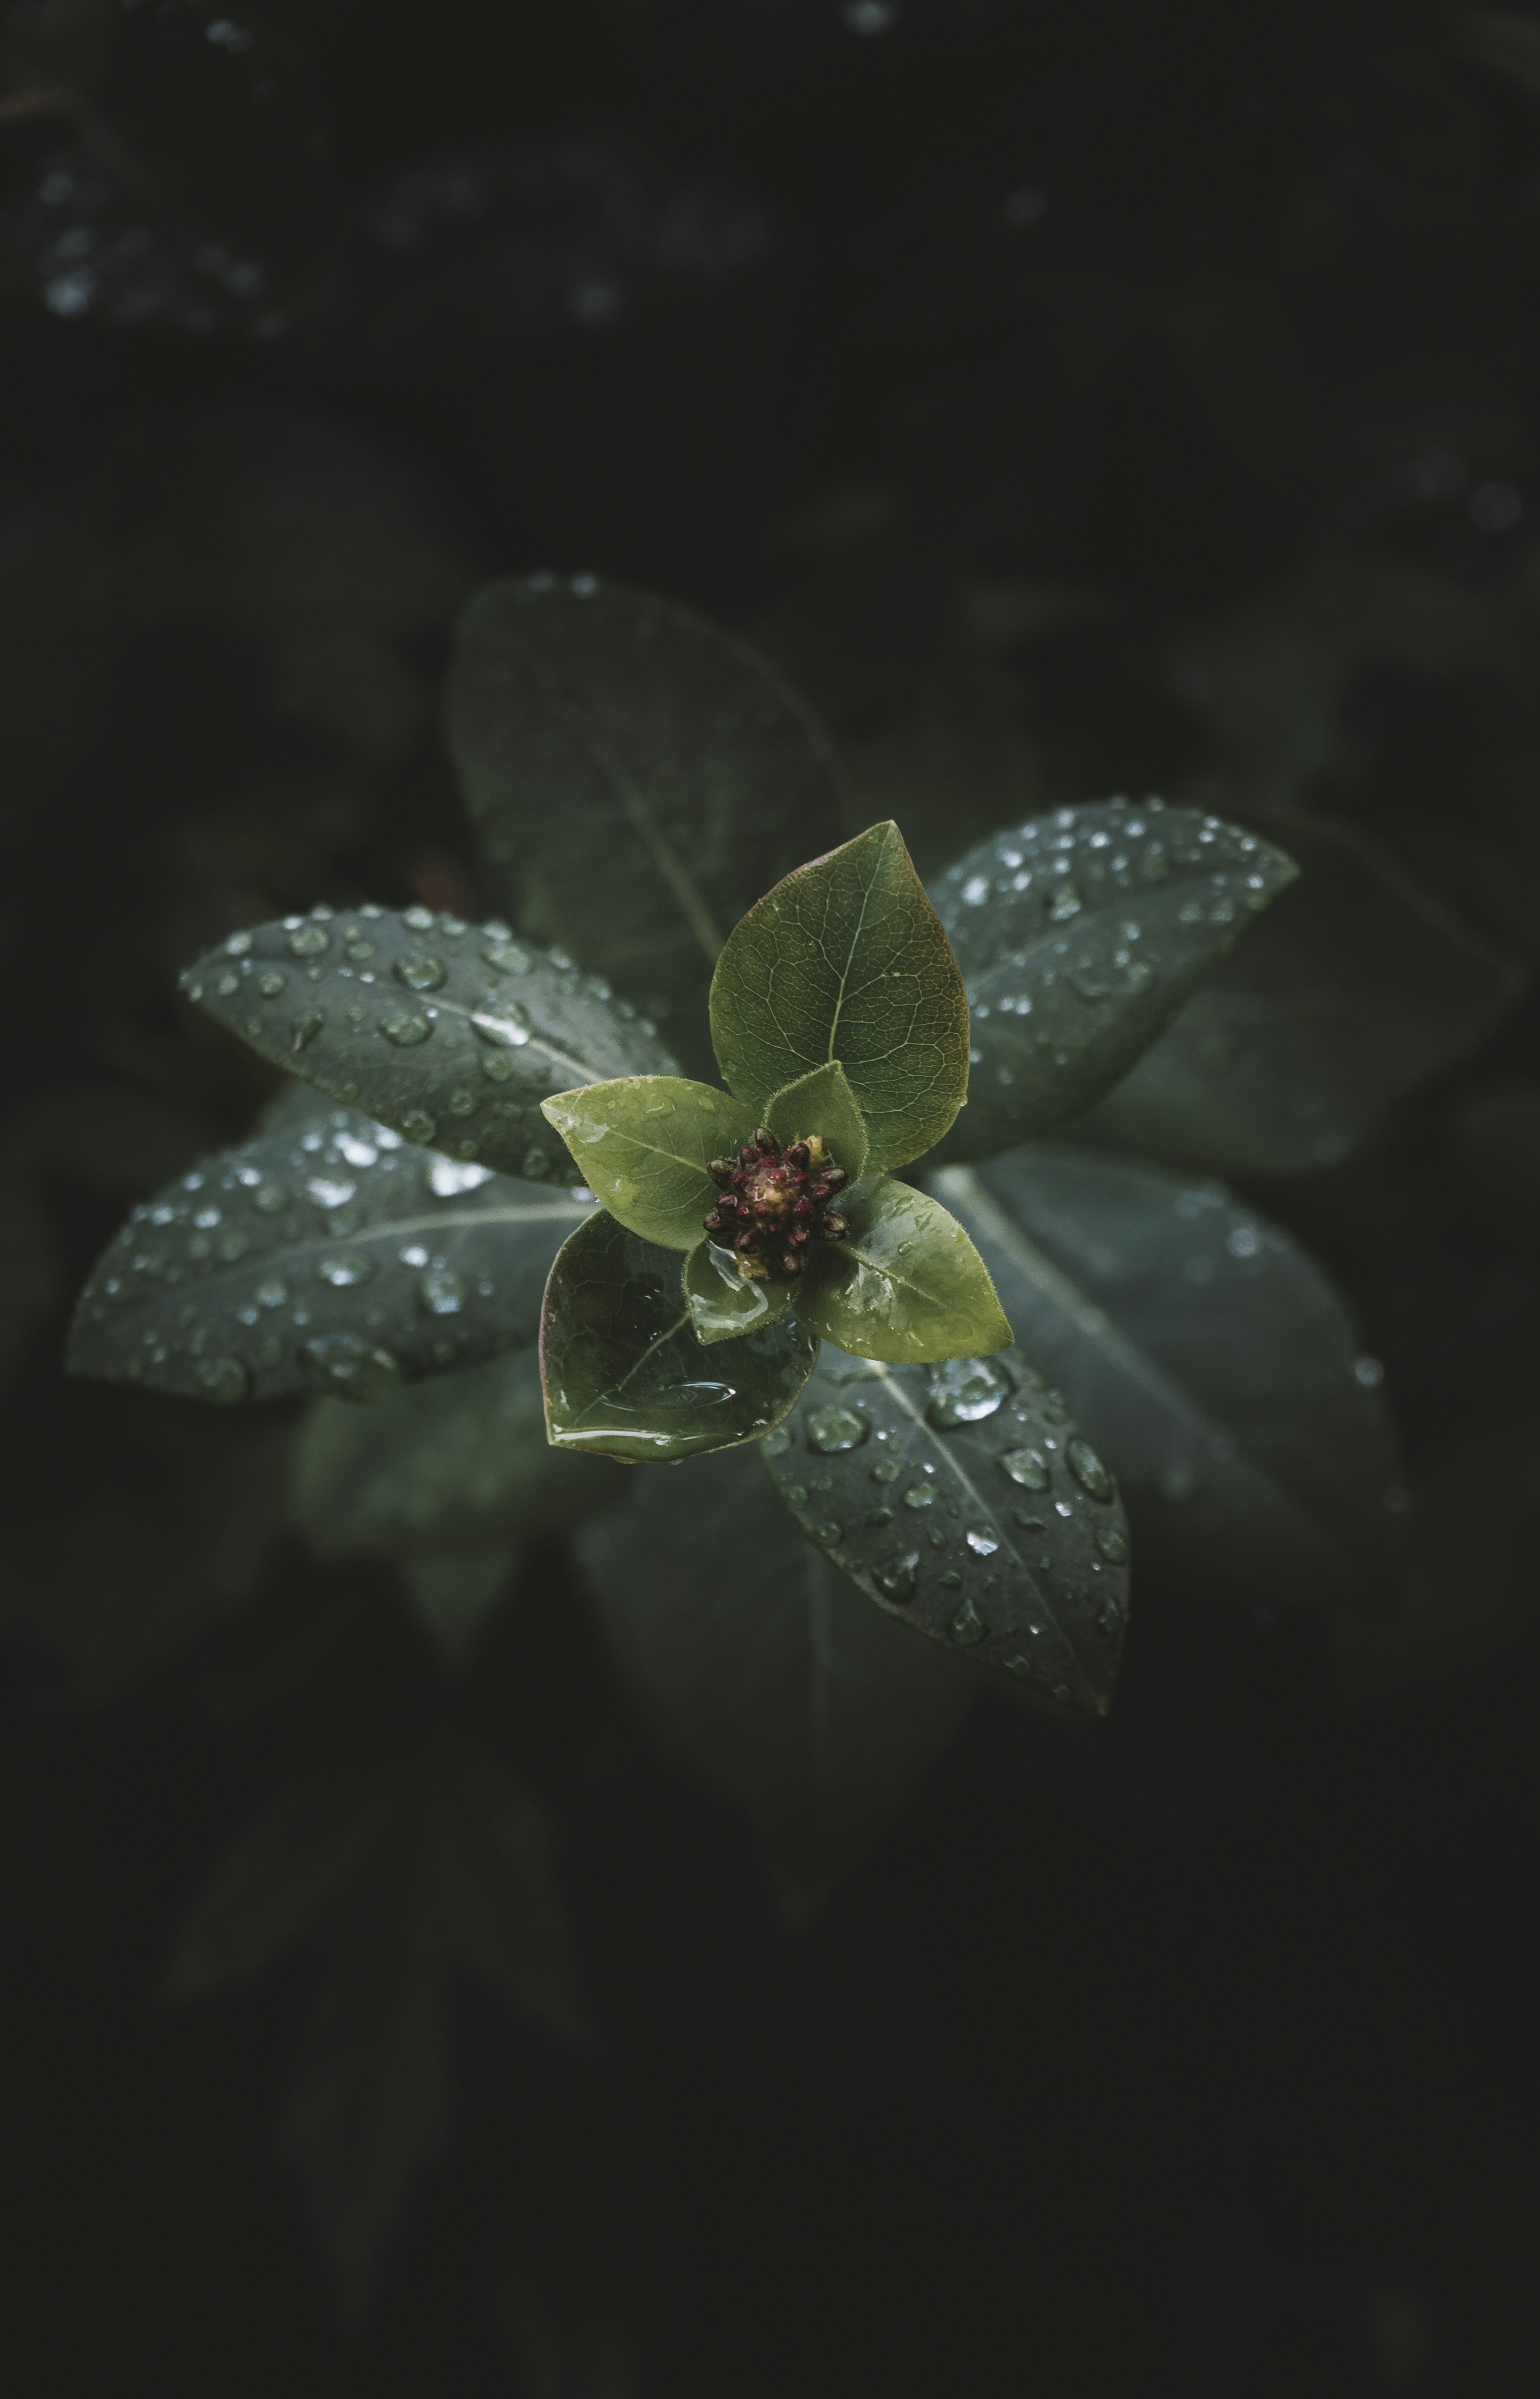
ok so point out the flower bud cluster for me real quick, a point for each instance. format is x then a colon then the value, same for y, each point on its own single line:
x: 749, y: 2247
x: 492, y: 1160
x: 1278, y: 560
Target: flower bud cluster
x: 774, y: 1205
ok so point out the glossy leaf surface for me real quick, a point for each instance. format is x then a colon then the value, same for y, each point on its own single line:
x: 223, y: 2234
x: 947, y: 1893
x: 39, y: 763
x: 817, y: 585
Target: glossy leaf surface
x: 822, y: 1103
x: 625, y: 1376
x: 964, y: 1500
x: 908, y: 1285
x: 755, y: 1663
x: 333, y: 1258
x: 847, y: 959
x: 639, y: 778
x: 453, y: 1467
x: 643, y: 1144
x: 1210, y: 1360
x: 1081, y: 934
x: 723, y: 1304
x: 451, y: 1033
x: 1357, y: 987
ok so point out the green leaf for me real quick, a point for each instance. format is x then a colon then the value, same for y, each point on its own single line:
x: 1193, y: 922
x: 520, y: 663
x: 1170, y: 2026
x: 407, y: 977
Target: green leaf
x: 822, y: 1103
x: 754, y: 1663
x: 450, y: 1467
x: 723, y: 1303
x: 1358, y: 986
x: 963, y: 1501
x: 644, y: 1143
x: 623, y: 1373
x: 639, y: 779
x: 1211, y: 1361
x: 1081, y: 934
x: 451, y: 1033
x: 333, y: 1259
x: 908, y: 1285
x: 303, y: 1845
x: 847, y: 959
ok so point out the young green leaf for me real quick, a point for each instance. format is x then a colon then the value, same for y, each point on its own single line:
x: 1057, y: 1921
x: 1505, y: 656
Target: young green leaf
x: 1357, y: 987
x: 908, y: 1285
x: 822, y: 1103
x: 754, y: 1663
x: 451, y: 1033
x: 723, y: 1304
x: 963, y: 1501
x: 1081, y: 934
x: 847, y: 959
x: 458, y: 1466
x: 644, y: 1143
x: 625, y: 1376
x: 334, y: 1259
x: 639, y: 778
x: 1211, y: 1361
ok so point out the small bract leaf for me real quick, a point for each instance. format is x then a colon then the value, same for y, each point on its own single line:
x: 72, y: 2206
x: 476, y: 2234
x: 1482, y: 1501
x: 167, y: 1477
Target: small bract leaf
x: 1357, y: 987
x: 908, y: 1285
x: 638, y: 777
x: 723, y: 1304
x: 998, y: 1533
x: 1211, y: 1361
x: 451, y: 1033
x: 755, y: 1663
x: 644, y: 1143
x: 453, y: 1467
x: 1081, y: 934
x: 847, y: 959
x: 822, y: 1103
x: 623, y: 1373
x: 331, y: 1259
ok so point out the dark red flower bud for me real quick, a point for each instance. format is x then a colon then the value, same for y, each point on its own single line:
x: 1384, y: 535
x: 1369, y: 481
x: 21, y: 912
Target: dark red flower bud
x: 817, y: 1191
x: 835, y: 1228
x: 797, y: 1154
x: 835, y: 1178
x: 803, y: 1208
x: 713, y: 1222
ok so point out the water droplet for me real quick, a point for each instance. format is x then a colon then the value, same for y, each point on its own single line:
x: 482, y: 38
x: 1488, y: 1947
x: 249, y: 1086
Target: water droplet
x: 225, y: 1380
x: 418, y: 1125
x: 347, y: 1270
x: 506, y: 957
x: 501, y: 1022
x: 1066, y: 904
x: 897, y: 1580
x: 1368, y: 1372
x: 357, y: 950
x: 352, y: 1369
x: 777, y: 1441
x: 418, y: 919
x: 1053, y: 1407
x: 966, y: 1626
x: 309, y: 1025
x: 919, y: 1495
x: 419, y: 971
x: 834, y: 1429
x: 1088, y: 1471
x: 795, y: 1495
x: 271, y: 1294
x: 231, y: 1246
x: 1027, y: 1467
x: 967, y: 1389
x: 441, y: 1292
x: 272, y: 985
x: 1110, y: 1541
x: 887, y: 1469
x: 227, y: 986
x: 308, y: 941
x: 327, y: 1192
x: 497, y: 1066
x: 534, y: 1165
x: 983, y: 1545
x: 828, y: 1535
x: 237, y: 944
x: 448, y: 1177
x: 405, y: 1027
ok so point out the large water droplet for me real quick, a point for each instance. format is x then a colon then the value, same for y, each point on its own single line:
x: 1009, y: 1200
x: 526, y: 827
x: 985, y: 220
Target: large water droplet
x: 503, y: 1023
x: 347, y: 1270
x: 418, y: 1125
x: 273, y: 985
x: 506, y: 957
x: 309, y: 1025
x: 1026, y: 1467
x: 1088, y: 1471
x: 967, y: 1389
x: 897, y: 1580
x: 441, y: 1292
x: 1112, y: 1544
x: 352, y: 1369
x: 449, y: 1177
x: 966, y: 1626
x: 919, y: 1495
x: 308, y: 941
x: 420, y: 971
x: 406, y: 1027
x: 834, y: 1429
x: 328, y: 1192
x: 983, y: 1545
x: 224, y: 1381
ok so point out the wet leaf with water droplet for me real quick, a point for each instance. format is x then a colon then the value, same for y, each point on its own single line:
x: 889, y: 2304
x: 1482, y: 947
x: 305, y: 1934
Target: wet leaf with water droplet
x: 1250, y: 1459
x: 640, y: 775
x: 625, y: 1375
x: 908, y: 1284
x: 723, y: 1303
x: 643, y: 1144
x: 176, y: 1309
x: 956, y: 1554
x: 774, y: 1681
x: 1081, y: 934
x: 450, y: 1058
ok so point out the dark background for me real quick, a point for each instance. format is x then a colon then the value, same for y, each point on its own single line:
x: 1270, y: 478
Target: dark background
x: 990, y: 361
